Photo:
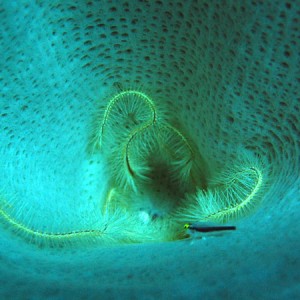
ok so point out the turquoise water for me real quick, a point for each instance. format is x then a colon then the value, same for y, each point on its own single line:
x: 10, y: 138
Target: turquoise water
x: 224, y: 80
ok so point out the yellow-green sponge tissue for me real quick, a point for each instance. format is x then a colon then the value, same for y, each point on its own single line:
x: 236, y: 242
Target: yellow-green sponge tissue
x: 132, y: 133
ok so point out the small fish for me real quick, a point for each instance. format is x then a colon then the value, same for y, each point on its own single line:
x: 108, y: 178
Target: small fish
x: 207, y: 228
x: 203, y: 230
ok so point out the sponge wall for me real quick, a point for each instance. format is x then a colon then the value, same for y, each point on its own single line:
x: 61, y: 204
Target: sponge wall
x: 228, y: 70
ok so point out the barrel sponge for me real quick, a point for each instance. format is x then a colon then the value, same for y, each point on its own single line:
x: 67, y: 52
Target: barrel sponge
x: 228, y: 72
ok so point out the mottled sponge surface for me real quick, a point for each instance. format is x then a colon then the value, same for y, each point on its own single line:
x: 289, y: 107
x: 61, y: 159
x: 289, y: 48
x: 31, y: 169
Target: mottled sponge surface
x: 230, y: 73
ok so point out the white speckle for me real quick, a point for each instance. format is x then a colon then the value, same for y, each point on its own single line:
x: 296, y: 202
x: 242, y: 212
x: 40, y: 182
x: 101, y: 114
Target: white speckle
x: 144, y: 216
